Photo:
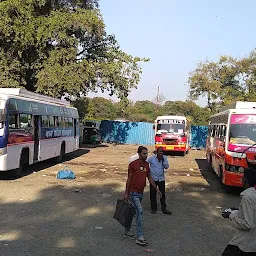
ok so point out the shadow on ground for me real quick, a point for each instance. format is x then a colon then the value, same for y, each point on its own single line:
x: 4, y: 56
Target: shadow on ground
x: 213, y: 180
x: 46, y: 164
x: 66, y: 220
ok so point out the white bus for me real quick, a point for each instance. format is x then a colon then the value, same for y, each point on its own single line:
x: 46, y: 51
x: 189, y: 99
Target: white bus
x: 34, y: 128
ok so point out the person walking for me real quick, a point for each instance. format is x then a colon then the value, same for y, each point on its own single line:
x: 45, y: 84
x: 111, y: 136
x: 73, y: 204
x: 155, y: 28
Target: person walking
x: 138, y: 171
x: 158, y: 163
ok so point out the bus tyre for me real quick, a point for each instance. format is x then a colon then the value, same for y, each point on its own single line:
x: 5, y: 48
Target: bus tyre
x: 62, y: 153
x: 17, y: 173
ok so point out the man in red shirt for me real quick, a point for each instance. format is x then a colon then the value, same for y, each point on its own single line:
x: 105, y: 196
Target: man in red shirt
x: 138, y: 172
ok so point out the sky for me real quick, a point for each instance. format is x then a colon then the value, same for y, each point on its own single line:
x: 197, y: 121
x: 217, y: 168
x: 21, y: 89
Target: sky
x: 176, y: 35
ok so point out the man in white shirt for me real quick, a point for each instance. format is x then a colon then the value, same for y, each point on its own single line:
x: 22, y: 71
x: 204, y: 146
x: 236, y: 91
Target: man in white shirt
x: 136, y: 156
x: 244, y: 219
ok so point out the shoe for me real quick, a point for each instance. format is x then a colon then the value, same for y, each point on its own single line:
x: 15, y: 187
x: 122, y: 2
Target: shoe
x: 153, y: 211
x: 142, y: 242
x: 165, y: 211
x: 129, y: 235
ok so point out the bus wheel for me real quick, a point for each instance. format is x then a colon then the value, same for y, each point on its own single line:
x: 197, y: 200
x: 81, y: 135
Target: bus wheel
x: 17, y: 173
x: 62, y: 153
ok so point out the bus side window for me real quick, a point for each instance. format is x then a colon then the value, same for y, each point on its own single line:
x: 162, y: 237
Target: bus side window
x: 70, y: 122
x: 63, y: 122
x: 57, y: 121
x: 13, y: 121
x: 51, y: 119
x: 45, y: 121
x: 25, y: 121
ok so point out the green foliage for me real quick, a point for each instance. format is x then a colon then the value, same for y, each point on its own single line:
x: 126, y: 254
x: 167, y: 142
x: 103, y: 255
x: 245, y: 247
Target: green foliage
x: 141, y: 111
x: 224, y: 81
x: 61, y: 48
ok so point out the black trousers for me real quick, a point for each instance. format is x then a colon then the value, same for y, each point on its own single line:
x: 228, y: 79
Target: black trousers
x: 232, y: 250
x: 161, y: 186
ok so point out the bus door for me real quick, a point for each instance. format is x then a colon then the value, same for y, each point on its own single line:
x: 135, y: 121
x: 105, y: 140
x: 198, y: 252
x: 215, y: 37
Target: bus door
x: 36, y: 137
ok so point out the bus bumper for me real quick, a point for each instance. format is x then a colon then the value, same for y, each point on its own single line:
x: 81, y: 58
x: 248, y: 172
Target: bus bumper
x: 233, y: 179
x: 181, y: 148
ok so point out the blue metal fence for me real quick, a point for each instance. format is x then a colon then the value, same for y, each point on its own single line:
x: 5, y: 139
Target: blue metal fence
x: 127, y: 132
x: 198, y: 136
x: 143, y: 133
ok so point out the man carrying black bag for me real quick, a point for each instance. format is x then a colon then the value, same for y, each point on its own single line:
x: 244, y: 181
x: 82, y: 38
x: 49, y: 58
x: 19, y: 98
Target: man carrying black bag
x: 138, y: 171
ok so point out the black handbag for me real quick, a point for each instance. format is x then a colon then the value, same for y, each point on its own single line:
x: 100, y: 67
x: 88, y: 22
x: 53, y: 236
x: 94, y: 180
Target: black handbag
x: 124, y: 213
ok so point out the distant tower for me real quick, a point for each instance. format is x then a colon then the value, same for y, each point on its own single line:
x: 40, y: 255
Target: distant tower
x: 158, y: 96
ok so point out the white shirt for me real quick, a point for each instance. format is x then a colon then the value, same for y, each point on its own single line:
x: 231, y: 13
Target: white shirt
x: 133, y: 158
x: 245, y: 221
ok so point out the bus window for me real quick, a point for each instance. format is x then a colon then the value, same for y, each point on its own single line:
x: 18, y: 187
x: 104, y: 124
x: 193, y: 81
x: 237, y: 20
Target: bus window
x: 45, y: 121
x: 57, y: 120
x: 25, y: 121
x: 13, y: 121
x: 51, y: 121
x: 24, y: 106
x: 12, y: 104
x: 70, y: 122
x: 65, y: 122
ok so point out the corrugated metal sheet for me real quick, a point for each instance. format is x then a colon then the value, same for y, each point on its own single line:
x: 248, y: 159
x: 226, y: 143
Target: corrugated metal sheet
x: 127, y: 132
x: 198, y: 136
x: 143, y: 133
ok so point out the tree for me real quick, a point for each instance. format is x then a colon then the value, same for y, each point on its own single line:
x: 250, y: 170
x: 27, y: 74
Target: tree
x: 100, y: 108
x: 224, y: 81
x: 196, y: 114
x: 61, y: 48
x: 82, y: 106
x: 145, y: 109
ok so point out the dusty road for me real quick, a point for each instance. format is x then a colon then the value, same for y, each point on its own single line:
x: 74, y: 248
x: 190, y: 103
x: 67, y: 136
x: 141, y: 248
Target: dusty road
x: 40, y: 215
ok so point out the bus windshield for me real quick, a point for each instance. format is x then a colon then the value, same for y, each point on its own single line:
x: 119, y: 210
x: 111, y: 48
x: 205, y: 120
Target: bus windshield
x: 171, y: 128
x: 242, y: 134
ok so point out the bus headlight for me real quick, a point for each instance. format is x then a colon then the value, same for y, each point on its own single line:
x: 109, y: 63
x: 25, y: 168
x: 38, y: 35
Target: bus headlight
x: 159, y: 142
x: 241, y: 169
x: 232, y: 169
x: 181, y: 143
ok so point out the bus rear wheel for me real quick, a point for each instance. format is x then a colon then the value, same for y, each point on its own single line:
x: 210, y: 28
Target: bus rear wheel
x: 17, y: 173
x: 60, y: 158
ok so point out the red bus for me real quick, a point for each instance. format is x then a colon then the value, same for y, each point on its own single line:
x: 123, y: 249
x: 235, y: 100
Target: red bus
x: 230, y: 147
x: 172, y: 133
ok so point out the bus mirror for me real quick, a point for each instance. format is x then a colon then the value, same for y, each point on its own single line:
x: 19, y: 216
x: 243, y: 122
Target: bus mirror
x: 154, y: 127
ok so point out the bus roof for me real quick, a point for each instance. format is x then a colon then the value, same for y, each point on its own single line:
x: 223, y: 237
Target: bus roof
x: 171, y: 117
x: 239, y: 107
x: 20, y: 92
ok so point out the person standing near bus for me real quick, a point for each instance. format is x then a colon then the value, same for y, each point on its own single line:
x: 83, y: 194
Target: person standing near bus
x: 138, y: 171
x: 244, y: 242
x: 158, y: 163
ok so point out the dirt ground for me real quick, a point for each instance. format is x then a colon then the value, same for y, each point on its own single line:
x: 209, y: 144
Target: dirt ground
x: 40, y: 215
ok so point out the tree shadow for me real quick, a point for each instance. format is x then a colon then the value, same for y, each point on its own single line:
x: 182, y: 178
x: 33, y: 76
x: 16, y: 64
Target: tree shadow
x: 198, y: 136
x: 67, y: 219
x: 86, y: 146
x: 37, y: 167
x: 127, y: 133
x: 213, y: 180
